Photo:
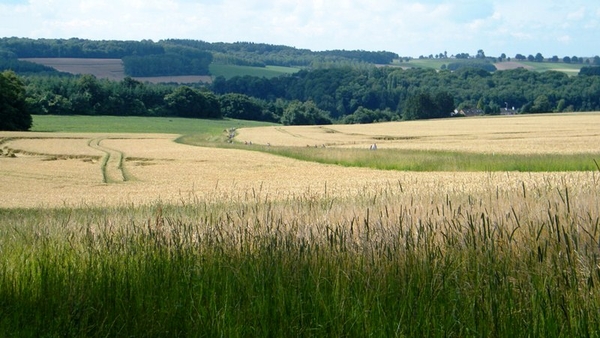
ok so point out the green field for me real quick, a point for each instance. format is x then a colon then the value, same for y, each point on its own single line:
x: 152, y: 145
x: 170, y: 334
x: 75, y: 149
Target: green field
x: 229, y: 71
x: 425, y: 63
x: 132, y: 124
x: 569, y: 68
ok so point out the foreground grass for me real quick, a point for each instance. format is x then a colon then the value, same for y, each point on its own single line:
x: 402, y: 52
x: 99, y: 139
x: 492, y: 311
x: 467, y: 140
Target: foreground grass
x: 510, y: 262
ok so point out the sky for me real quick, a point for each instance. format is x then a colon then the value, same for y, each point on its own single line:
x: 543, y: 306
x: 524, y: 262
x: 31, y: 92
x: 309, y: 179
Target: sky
x: 407, y: 27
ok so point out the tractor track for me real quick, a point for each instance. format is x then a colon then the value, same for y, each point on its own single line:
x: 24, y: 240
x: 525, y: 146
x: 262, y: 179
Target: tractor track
x: 112, y: 164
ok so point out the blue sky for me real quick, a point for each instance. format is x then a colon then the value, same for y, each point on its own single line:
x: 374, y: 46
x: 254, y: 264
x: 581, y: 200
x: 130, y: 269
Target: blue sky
x: 407, y: 27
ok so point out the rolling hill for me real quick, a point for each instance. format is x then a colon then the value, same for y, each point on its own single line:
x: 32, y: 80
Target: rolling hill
x: 113, y: 69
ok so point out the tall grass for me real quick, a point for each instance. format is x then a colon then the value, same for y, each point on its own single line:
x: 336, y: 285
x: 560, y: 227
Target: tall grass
x: 510, y: 262
x: 427, y: 160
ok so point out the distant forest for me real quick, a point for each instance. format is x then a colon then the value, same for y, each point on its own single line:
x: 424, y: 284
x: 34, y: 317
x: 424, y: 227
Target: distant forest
x: 332, y: 87
x: 182, y: 57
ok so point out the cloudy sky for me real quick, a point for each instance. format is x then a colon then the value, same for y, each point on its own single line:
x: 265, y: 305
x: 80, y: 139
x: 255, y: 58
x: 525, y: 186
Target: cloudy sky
x: 407, y: 27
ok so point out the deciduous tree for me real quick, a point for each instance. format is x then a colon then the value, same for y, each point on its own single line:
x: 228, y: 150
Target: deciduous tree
x: 13, y: 109
x: 307, y: 113
x: 187, y: 102
x: 239, y: 106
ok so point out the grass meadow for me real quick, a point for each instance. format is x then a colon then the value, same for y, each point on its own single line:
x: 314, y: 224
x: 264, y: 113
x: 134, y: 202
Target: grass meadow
x: 504, y: 255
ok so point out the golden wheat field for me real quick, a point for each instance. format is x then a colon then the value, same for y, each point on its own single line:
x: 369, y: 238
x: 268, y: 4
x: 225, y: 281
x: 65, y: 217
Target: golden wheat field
x: 60, y: 169
x: 518, y: 134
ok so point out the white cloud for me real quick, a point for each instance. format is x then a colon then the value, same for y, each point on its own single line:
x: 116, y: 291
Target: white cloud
x: 577, y: 15
x: 564, y: 39
x: 409, y: 27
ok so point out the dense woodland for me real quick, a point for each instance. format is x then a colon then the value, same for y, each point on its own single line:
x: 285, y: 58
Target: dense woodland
x: 342, y: 91
x: 358, y: 92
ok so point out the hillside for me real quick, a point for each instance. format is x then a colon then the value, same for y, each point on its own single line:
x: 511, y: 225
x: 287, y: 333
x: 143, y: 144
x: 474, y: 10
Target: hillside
x: 113, y: 69
x: 243, y: 80
x: 185, y: 61
x: 184, y: 57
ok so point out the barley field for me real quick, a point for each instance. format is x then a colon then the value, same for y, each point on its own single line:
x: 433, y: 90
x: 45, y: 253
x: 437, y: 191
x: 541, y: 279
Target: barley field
x: 520, y: 134
x: 105, y: 170
x: 107, y: 234
x: 59, y: 169
x: 112, y: 170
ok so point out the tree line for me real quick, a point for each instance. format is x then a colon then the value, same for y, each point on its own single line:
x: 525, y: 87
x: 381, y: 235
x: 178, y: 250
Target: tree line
x: 77, y: 48
x: 519, y: 57
x: 87, y: 95
x: 322, y: 96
